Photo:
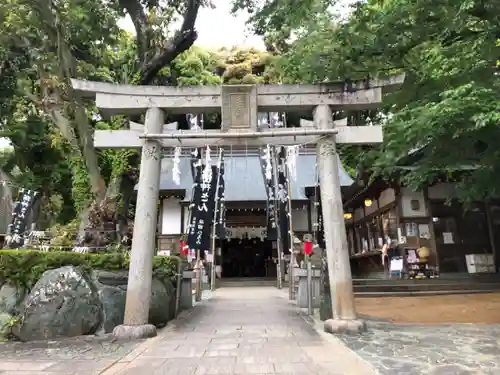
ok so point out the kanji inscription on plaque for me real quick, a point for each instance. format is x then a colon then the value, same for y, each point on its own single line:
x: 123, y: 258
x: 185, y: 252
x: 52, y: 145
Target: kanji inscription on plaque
x: 239, y: 104
x: 239, y: 107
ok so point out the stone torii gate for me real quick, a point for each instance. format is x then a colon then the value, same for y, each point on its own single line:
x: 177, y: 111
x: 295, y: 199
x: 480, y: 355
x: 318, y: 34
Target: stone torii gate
x: 239, y: 105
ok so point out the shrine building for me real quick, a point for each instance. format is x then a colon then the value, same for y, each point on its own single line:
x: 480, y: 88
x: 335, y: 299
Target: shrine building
x: 245, y: 200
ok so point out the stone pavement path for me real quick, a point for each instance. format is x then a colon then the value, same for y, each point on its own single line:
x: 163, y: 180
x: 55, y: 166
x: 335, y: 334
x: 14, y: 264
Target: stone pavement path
x: 459, y: 349
x: 258, y: 331
x: 76, y: 356
x: 243, y: 331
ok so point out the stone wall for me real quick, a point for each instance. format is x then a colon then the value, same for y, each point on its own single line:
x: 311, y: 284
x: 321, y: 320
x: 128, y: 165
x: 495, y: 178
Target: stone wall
x: 169, y: 242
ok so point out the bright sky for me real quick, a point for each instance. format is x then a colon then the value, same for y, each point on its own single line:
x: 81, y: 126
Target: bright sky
x: 218, y: 28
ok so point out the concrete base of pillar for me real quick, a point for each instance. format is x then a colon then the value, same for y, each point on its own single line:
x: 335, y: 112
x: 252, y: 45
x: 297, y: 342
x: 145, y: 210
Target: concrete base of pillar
x: 351, y: 327
x: 125, y: 332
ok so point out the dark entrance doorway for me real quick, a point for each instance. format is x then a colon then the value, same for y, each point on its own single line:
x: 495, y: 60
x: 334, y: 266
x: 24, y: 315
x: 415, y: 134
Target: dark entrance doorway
x: 246, y: 257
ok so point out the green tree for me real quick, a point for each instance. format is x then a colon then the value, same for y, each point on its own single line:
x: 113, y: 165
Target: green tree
x: 448, y: 105
x: 278, y: 20
x: 63, y: 39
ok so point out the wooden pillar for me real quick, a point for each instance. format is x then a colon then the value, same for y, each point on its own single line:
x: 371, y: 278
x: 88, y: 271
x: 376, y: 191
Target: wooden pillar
x: 309, y: 217
x: 399, y: 211
x: 159, y: 215
x: 337, y: 253
x: 491, y: 234
x: 143, y: 243
x: 432, y: 234
x: 182, y: 217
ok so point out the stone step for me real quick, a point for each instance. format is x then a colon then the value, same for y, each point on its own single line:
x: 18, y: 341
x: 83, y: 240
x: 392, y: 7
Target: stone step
x: 414, y: 287
x: 473, y: 280
x: 243, y: 282
x: 423, y: 293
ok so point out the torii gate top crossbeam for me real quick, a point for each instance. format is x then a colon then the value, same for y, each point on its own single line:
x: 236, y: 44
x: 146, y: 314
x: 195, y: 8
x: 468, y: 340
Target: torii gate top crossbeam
x: 244, y: 135
x: 171, y: 137
x: 128, y: 99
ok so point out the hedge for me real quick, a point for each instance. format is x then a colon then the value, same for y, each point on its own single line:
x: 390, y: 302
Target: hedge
x: 25, y: 267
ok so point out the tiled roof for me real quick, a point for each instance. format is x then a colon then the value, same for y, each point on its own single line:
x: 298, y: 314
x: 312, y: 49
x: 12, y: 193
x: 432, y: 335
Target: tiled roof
x: 244, y: 180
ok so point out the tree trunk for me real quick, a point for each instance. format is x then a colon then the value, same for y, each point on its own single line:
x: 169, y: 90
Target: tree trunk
x: 89, y: 153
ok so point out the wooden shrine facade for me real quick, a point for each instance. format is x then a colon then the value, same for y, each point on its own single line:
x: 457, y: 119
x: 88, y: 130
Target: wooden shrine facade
x: 417, y: 219
x: 245, y: 197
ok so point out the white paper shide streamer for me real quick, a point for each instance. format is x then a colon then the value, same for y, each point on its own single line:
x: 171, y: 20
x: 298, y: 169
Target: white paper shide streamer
x: 14, y: 238
x: 176, y: 172
x: 282, y: 194
x: 206, y: 176
x: 194, y: 122
x: 292, y: 152
x: 267, y: 159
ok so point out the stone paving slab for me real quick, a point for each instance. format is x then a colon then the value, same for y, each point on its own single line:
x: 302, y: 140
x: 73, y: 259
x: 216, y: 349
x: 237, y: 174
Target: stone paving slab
x: 243, y: 331
x: 462, y: 349
x: 87, y: 355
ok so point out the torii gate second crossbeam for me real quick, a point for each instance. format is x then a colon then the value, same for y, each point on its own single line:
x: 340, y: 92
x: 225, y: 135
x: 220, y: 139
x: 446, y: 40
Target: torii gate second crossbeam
x: 239, y: 105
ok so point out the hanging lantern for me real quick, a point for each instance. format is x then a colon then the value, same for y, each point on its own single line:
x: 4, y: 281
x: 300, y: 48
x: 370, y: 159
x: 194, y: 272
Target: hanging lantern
x: 184, y: 248
x: 308, y: 247
x: 368, y: 202
x: 347, y: 215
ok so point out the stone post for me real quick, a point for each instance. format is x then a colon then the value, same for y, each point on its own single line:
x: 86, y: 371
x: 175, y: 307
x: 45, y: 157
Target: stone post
x: 337, y: 254
x: 143, y: 244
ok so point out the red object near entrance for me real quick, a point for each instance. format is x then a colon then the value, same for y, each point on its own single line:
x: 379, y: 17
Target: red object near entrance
x: 308, y: 248
x: 184, y: 248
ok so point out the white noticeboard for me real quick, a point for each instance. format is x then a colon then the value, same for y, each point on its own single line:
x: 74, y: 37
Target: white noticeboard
x: 396, y: 265
x: 423, y: 230
x: 448, y: 238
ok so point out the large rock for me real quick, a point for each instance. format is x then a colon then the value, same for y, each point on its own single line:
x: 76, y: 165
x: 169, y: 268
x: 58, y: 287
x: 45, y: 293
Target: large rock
x: 171, y: 292
x: 63, y: 303
x: 111, y: 287
x: 113, y: 307
x: 10, y: 298
x: 160, y: 309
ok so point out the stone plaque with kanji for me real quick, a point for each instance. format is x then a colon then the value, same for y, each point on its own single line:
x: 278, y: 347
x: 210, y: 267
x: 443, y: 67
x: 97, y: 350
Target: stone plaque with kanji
x: 239, y: 108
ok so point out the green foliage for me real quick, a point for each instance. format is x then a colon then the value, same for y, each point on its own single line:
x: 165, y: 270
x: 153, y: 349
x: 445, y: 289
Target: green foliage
x: 272, y: 16
x: 166, y: 268
x: 44, y: 44
x: 198, y: 66
x: 81, y: 192
x: 250, y: 66
x: 65, y: 235
x: 7, y: 322
x: 25, y: 267
x: 448, y: 106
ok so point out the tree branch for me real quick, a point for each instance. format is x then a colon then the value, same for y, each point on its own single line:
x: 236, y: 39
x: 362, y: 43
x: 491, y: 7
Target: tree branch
x: 140, y: 20
x: 182, y: 40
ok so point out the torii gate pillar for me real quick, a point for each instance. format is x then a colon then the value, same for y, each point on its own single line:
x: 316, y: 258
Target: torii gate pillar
x: 337, y: 254
x: 239, y: 106
x: 141, y: 258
